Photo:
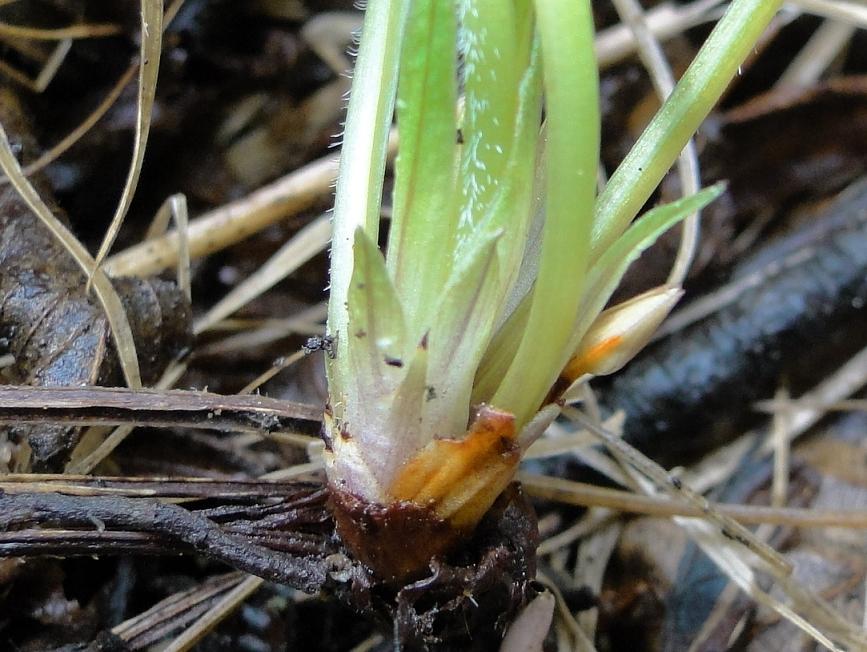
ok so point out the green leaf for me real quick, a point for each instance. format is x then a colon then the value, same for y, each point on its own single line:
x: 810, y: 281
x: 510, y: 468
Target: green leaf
x: 376, y: 340
x: 424, y: 220
x: 510, y: 212
x: 494, y: 38
x: 500, y: 353
x: 717, y: 62
x: 572, y: 113
x: 404, y: 419
x: 362, y: 161
x: 465, y: 319
x: 608, y: 271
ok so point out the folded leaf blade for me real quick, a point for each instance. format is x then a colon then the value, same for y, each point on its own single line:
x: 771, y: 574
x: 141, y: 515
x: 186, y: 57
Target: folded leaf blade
x: 377, y: 330
x: 424, y: 217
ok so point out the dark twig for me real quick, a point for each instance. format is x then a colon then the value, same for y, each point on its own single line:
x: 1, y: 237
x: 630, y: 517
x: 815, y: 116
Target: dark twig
x: 300, y: 493
x: 171, y: 408
x: 171, y: 522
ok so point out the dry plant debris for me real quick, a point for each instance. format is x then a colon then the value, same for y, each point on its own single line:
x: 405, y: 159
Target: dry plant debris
x: 57, y: 334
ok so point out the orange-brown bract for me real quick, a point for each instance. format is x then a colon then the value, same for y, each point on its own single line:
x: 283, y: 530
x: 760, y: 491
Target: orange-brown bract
x: 438, y: 498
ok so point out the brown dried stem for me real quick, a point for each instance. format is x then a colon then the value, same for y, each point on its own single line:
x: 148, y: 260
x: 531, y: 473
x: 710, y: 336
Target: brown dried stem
x: 113, y: 406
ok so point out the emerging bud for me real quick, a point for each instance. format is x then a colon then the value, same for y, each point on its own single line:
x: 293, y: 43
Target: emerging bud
x: 619, y: 333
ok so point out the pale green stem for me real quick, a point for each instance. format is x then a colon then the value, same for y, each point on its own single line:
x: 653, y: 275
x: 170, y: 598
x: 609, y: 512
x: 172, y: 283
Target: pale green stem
x: 362, y: 163
x: 572, y: 111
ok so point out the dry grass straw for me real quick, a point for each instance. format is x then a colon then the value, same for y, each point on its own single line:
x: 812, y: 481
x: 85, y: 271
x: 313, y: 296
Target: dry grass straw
x: 268, y: 374
x: 634, y: 461
x: 175, y: 208
x: 575, y: 639
x: 852, y: 12
x: 803, y: 404
x: 298, y: 471
x: 50, y: 67
x: 328, y: 35
x: 224, y: 226
x: 782, y: 454
x: 149, y: 65
x: 588, y: 495
x: 164, y: 616
x: 831, y: 393
x: 568, y: 442
x: 306, y: 322
x: 309, y: 241
x: 726, y: 295
x: 105, y: 292
x: 52, y: 154
x: 707, y: 523
x: 95, y: 446
x: 79, y: 31
x: 823, y: 48
x: 368, y: 644
x: 592, y: 521
x: 591, y: 562
x: 664, y: 21
x: 50, y: 63
x: 211, y: 618
x: 726, y: 546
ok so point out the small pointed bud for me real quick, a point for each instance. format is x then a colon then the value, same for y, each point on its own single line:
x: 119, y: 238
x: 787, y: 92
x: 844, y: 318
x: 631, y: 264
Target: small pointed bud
x: 619, y: 333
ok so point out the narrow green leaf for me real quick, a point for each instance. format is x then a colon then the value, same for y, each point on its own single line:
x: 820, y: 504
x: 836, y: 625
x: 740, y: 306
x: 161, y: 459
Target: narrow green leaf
x: 500, y: 353
x: 532, y: 248
x: 608, y: 271
x: 510, y: 211
x: 362, y: 162
x: 404, y: 418
x: 572, y: 112
x: 424, y: 219
x: 603, y: 279
x: 375, y: 341
x: 465, y: 319
x: 491, y: 39
x: 715, y: 65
